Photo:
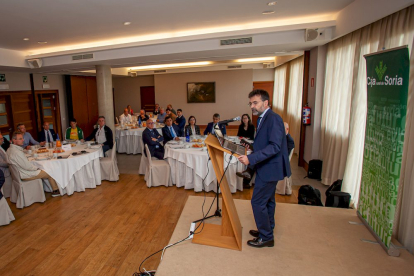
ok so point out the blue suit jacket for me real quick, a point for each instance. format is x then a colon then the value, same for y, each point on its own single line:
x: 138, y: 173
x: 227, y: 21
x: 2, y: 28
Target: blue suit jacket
x: 167, y: 134
x: 180, y: 122
x: 270, y: 156
x: 152, y: 145
x: 209, y: 128
x: 42, y: 135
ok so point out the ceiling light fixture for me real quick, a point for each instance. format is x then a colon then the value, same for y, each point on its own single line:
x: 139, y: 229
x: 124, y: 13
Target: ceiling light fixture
x: 268, y: 12
x: 172, y: 65
x: 255, y: 59
x: 25, y: 39
x: 127, y: 23
x: 42, y: 42
x: 271, y: 3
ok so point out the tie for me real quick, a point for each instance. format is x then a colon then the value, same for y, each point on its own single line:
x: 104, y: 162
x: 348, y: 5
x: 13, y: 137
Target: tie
x: 172, y: 132
x: 47, y: 136
x: 258, y: 121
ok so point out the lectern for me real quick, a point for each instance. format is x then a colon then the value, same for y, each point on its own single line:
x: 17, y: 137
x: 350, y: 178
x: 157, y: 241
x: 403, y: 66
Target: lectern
x: 229, y: 233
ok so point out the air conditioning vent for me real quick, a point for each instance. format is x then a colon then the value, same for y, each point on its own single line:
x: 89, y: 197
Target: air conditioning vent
x: 132, y: 74
x: 235, y: 41
x: 84, y: 56
x: 234, y: 66
x: 159, y: 71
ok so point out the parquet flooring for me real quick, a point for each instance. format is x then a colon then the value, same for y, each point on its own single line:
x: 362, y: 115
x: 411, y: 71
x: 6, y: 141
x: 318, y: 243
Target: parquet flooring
x: 104, y: 231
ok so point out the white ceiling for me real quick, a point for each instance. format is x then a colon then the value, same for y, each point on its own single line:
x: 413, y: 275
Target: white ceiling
x: 73, y: 22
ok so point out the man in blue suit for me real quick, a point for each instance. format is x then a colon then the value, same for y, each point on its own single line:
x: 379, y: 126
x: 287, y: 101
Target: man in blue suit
x: 270, y: 159
x: 180, y: 120
x: 170, y: 131
x: 210, y: 126
x: 153, y: 139
x: 47, y: 135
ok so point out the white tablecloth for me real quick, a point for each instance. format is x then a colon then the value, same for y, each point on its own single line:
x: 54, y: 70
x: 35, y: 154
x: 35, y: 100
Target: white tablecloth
x: 130, y: 141
x: 189, y: 168
x: 75, y: 173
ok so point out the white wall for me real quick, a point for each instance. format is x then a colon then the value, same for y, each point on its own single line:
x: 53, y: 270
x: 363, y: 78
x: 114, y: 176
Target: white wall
x: 127, y: 92
x: 232, y: 88
x: 17, y: 81
x: 264, y: 75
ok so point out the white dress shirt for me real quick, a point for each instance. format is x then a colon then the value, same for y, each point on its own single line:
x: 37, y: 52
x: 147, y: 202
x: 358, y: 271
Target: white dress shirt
x: 19, y: 159
x: 100, y: 135
x: 125, y: 119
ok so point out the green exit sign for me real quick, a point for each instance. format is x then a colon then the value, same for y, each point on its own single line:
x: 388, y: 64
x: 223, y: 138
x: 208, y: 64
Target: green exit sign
x: 2, y: 77
x: 44, y: 79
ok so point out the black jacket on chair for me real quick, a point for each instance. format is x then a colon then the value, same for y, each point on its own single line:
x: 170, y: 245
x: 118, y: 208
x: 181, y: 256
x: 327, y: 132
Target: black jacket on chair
x: 108, y: 135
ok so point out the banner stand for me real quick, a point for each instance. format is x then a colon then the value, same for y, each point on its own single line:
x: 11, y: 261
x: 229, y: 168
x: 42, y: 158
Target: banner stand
x: 393, y: 251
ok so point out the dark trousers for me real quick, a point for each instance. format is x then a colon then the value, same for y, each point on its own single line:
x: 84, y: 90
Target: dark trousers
x: 105, y: 148
x: 264, y: 206
x: 158, y: 153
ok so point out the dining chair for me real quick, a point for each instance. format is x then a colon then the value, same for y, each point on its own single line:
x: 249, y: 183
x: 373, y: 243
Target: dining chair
x: 6, y: 215
x: 158, y: 171
x: 109, y: 166
x: 7, y: 186
x: 144, y: 162
x: 25, y: 193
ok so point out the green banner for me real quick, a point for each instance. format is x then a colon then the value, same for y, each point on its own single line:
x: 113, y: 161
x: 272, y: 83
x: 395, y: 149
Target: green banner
x: 387, y: 85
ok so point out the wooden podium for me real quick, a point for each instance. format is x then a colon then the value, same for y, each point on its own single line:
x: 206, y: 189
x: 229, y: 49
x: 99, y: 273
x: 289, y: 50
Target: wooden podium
x: 229, y: 233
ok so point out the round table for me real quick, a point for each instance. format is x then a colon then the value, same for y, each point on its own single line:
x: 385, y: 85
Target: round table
x: 191, y: 165
x: 130, y: 140
x: 75, y: 173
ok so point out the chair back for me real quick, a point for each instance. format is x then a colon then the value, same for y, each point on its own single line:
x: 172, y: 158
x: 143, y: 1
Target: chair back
x: 291, y: 153
x: 148, y: 155
x: 16, y: 181
x: 113, y: 153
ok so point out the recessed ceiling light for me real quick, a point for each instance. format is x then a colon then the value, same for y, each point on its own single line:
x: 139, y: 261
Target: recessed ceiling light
x: 268, y: 12
x: 25, y: 39
x: 271, y: 3
x: 127, y: 23
x: 42, y: 42
x: 255, y: 59
x: 173, y: 65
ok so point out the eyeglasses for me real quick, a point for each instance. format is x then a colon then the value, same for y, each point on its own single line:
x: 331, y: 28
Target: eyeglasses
x: 253, y: 103
x: 150, y: 123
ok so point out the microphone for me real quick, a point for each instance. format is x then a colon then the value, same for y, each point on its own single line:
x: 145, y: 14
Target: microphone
x: 230, y: 121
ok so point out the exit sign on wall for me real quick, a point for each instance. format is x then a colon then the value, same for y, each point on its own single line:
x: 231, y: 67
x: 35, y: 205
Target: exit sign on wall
x: 2, y: 77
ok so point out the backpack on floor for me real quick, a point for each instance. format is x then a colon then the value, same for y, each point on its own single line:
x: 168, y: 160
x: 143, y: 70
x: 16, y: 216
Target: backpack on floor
x: 315, y: 169
x: 338, y: 200
x: 309, y: 196
x: 335, y: 187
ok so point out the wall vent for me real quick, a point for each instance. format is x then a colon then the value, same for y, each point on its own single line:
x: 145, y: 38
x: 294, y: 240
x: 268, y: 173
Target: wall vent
x: 235, y: 41
x: 159, y: 71
x: 234, y: 66
x: 84, y: 56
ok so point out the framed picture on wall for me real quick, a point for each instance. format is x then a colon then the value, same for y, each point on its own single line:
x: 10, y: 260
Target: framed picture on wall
x: 201, y: 92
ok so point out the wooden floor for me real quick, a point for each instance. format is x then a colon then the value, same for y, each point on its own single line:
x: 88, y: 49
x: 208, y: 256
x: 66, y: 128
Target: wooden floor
x: 103, y: 231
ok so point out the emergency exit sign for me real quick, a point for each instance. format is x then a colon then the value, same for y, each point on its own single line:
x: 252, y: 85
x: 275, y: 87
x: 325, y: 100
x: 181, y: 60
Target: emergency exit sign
x: 2, y: 77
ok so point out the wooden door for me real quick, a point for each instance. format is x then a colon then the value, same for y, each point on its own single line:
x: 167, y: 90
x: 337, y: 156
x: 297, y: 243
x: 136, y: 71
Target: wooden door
x: 23, y: 111
x: 267, y: 86
x: 147, y: 98
x: 6, y: 117
x: 48, y: 110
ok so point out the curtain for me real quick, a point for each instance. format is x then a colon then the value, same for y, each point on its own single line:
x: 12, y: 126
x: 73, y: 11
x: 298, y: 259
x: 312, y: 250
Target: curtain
x: 279, y: 90
x: 294, y: 99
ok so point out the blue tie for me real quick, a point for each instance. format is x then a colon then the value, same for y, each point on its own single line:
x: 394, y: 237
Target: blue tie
x: 172, y: 132
x: 258, y: 121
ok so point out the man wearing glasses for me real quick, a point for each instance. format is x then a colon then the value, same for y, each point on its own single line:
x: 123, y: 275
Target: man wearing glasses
x: 270, y: 159
x: 153, y: 139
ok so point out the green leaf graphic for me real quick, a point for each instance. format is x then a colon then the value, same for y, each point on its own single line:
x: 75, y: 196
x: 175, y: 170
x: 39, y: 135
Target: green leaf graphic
x: 381, y: 70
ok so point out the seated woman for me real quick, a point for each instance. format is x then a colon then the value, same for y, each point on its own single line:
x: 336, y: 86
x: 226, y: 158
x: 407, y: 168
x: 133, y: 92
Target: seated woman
x: 74, y: 132
x: 246, y: 128
x: 192, y: 128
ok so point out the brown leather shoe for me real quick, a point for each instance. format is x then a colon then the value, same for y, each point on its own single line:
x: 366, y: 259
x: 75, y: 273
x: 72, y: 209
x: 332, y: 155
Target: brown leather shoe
x: 259, y: 243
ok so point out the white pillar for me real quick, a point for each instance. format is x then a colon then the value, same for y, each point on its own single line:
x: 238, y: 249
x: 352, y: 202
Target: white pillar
x: 105, y: 98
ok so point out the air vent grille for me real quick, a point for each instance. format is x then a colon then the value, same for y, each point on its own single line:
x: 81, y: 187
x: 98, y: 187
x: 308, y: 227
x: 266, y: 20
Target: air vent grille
x: 234, y: 66
x: 84, y: 56
x: 235, y: 41
x: 160, y: 71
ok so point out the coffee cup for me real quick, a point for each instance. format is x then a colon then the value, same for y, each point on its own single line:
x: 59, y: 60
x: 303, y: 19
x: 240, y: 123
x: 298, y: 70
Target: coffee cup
x: 55, y: 155
x: 78, y: 142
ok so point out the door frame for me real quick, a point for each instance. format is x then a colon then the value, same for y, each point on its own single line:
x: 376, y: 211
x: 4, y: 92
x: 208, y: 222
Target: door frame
x: 58, y: 116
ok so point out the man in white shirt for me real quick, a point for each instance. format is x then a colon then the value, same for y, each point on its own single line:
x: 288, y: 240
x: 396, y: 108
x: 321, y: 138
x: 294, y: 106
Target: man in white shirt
x: 102, y: 135
x: 27, y: 171
x: 161, y: 116
x: 47, y: 135
x: 125, y: 118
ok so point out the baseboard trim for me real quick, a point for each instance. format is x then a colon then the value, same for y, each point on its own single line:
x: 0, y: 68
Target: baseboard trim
x: 305, y: 166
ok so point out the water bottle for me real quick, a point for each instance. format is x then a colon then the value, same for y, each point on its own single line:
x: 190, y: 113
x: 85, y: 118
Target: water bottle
x: 187, y: 136
x: 139, y: 121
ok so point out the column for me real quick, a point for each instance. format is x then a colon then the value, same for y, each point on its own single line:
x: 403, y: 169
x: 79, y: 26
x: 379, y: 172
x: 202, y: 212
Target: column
x: 105, y: 98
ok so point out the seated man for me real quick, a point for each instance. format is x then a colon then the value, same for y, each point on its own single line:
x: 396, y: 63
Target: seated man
x: 210, y: 127
x: 5, y: 144
x: 170, y: 131
x: 74, y: 132
x: 47, y: 135
x: 161, y: 116
x: 157, y: 109
x: 289, y: 139
x: 27, y: 171
x: 172, y: 109
x: 172, y: 115
x: 153, y: 139
x: 4, y: 160
x: 180, y: 120
x: 125, y: 118
x: 103, y: 135
x: 27, y: 137
x: 142, y: 115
